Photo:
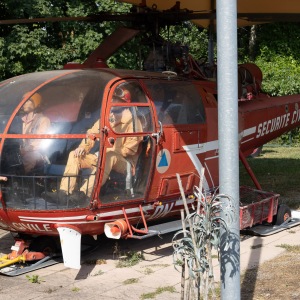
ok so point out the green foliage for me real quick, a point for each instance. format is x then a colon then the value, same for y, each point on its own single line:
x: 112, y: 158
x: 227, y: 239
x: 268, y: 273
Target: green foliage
x: 290, y: 248
x: 280, y: 74
x: 125, y: 58
x: 34, y: 279
x: 279, y: 38
x: 277, y: 53
x: 291, y: 138
x: 131, y: 281
x: 188, y: 34
x: 100, y: 272
x: 34, y: 47
x: 131, y: 259
x: 44, y: 46
x: 157, y: 292
x: 276, y: 169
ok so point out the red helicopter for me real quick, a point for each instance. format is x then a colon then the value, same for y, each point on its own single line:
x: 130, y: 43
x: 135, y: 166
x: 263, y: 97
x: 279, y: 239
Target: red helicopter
x: 98, y: 149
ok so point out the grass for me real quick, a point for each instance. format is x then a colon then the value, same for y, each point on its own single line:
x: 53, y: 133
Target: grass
x: 131, y: 281
x: 100, y: 272
x: 34, y: 279
x: 158, y: 265
x: 158, y: 291
x: 148, y: 271
x: 290, y: 248
x: 130, y: 259
x: 277, y: 170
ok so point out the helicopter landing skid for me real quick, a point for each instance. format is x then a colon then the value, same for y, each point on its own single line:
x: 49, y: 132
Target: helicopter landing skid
x: 265, y: 230
x: 26, y: 267
x: 22, y: 268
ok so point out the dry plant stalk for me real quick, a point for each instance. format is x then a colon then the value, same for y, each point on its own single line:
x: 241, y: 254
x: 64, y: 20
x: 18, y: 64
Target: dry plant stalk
x: 193, y: 247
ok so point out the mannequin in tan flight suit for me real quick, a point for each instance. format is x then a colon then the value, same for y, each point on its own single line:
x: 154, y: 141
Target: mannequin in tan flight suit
x: 33, y: 123
x: 124, y: 150
x: 81, y: 158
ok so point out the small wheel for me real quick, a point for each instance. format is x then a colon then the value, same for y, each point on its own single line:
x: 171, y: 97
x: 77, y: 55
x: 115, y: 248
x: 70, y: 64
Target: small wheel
x: 283, y: 213
x: 44, y: 244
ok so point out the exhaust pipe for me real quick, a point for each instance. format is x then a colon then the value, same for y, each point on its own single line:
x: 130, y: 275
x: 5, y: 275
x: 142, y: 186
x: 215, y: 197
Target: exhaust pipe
x: 116, y: 229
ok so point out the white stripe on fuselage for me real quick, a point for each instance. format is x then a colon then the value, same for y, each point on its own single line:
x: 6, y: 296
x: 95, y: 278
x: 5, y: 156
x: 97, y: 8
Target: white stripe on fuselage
x: 114, y: 213
x: 195, y: 149
x: 247, y: 132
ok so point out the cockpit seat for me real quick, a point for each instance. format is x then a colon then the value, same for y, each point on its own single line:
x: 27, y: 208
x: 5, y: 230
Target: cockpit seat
x: 131, y: 184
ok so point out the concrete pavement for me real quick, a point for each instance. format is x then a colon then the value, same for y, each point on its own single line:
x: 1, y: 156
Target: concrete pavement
x: 104, y: 280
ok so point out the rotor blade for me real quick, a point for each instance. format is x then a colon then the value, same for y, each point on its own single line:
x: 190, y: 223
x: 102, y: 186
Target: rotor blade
x: 169, y: 17
x: 149, y: 17
x: 50, y: 19
x: 111, y: 44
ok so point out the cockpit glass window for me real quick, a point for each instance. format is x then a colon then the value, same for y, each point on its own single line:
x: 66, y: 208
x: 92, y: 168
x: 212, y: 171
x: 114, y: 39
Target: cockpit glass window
x: 176, y: 102
x: 130, y: 119
x: 128, y: 155
x: 130, y: 92
x: 123, y: 112
x: 68, y: 104
x: 37, y: 179
x: 13, y: 90
x: 38, y: 162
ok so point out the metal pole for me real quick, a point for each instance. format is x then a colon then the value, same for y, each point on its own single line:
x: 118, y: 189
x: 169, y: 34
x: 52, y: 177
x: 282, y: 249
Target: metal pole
x: 228, y: 142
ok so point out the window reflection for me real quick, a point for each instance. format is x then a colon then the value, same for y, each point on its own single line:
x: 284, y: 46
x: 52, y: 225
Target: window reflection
x: 140, y: 117
x: 128, y: 158
x: 71, y: 104
x: 28, y: 191
x: 36, y: 166
x: 12, y: 91
x: 130, y: 92
x: 33, y: 122
x: 127, y: 179
x: 176, y: 102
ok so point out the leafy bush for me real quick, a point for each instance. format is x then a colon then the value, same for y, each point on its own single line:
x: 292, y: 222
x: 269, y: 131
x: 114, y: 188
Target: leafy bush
x: 281, y: 74
x: 278, y: 56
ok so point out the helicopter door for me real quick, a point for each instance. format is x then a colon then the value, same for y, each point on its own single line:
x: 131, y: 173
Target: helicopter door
x: 181, y: 129
x: 127, y: 155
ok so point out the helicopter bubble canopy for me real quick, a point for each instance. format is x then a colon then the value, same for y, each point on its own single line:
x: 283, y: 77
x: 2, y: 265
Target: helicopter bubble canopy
x: 43, y: 117
x: 65, y: 96
x: 50, y: 139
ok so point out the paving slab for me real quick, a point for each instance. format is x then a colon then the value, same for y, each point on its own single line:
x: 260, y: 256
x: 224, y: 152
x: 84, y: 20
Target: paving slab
x: 104, y: 280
